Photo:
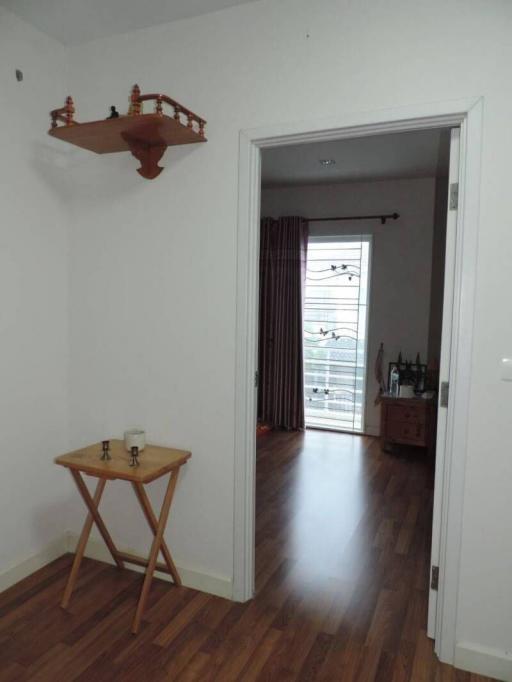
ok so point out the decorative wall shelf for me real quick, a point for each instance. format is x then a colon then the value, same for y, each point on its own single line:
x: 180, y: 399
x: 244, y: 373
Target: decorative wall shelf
x: 146, y: 136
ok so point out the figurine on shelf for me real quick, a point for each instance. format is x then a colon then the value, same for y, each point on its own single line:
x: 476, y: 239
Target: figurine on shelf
x: 134, y: 462
x: 105, y: 452
x: 113, y: 113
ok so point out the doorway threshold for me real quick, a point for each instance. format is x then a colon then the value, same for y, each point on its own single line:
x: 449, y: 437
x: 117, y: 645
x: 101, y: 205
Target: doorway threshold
x: 331, y: 429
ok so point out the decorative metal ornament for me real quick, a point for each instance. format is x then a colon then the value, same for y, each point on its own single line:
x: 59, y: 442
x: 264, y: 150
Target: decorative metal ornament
x: 105, y: 452
x: 134, y: 461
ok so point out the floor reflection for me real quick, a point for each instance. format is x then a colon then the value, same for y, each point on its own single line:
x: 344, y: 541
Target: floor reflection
x: 333, y: 506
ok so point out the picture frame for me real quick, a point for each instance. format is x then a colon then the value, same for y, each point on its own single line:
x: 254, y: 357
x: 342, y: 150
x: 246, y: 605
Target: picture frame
x: 412, y: 374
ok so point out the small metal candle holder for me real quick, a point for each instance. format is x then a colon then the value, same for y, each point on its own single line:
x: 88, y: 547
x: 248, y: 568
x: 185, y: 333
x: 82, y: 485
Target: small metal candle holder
x: 134, y: 462
x: 105, y: 453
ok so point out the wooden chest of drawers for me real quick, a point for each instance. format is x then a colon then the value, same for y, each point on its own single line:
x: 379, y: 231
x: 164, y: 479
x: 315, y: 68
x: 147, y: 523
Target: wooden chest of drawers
x: 408, y: 421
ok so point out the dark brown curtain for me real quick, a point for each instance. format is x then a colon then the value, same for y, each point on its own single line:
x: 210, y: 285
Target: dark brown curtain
x: 283, y: 250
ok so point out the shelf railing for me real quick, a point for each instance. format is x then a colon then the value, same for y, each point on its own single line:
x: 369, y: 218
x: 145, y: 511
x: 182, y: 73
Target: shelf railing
x: 192, y: 121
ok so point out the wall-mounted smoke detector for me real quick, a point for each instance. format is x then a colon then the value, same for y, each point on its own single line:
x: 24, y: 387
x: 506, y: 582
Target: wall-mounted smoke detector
x: 327, y: 162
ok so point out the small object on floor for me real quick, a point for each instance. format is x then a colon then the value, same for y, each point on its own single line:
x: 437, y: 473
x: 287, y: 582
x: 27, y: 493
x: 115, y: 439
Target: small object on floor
x: 262, y: 428
x: 134, y: 462
x: 113, y: 113
x: 105, y: 453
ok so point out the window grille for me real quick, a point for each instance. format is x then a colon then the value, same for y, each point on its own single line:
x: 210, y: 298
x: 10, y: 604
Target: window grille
x: 335, y: 332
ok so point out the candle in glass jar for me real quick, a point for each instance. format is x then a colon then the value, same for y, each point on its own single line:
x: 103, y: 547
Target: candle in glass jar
x: 134, y: 438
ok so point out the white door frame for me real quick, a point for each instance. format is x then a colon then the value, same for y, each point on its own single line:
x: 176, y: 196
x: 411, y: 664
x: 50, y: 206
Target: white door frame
x: 467, y: 114
x: 444, y: 368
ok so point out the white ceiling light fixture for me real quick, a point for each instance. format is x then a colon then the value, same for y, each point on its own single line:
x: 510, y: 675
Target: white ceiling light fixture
x: 391, y: 156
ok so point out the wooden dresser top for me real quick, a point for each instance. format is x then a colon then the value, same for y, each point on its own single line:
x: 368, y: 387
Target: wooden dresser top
x: 408, y: 402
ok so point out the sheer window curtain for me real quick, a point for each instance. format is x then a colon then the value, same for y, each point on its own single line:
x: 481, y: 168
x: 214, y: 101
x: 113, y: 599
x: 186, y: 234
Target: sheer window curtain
x: 283, y: 252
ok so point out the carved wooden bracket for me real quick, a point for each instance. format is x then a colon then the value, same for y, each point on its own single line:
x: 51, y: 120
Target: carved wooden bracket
x: 147, y: 155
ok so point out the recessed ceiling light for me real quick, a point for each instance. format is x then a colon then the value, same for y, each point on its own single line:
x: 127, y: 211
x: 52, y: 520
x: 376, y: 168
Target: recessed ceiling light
x: 327, y: 162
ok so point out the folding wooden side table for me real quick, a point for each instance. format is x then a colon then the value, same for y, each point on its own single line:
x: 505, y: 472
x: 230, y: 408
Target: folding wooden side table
x: 154, y: 461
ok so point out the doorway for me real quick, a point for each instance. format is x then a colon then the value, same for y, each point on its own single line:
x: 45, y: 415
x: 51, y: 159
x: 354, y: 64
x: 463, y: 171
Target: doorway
x: 388, y: 192
x: 468, y: 115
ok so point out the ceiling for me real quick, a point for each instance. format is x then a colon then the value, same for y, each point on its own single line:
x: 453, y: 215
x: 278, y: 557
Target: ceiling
x: 78, y: 21
x: 417, y: 154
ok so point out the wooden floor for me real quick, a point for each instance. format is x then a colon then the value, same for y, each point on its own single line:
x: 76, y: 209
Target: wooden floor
x: 342, y: 575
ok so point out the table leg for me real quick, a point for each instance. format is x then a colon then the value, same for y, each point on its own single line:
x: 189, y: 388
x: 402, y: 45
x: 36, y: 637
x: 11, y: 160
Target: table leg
x: 96, y: 517
x: 80, y: 548
x: 153, y: 524
x: 155, y: 548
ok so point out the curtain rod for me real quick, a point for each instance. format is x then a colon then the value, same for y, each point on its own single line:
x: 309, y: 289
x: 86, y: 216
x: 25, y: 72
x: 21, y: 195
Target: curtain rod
x: 382, y: 217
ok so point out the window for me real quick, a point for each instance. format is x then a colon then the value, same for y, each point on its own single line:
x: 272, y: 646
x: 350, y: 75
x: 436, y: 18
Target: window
x: 335, y: 332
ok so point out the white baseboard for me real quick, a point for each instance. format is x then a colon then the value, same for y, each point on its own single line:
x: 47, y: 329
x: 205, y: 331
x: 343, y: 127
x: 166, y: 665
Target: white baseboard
x: 197, y: 580
x: 484, y: 661
x: 25, y: 567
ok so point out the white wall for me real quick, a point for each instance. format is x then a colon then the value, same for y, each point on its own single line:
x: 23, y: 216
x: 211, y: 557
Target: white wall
x: 163, y: 252
x: 166, y: 248
x: 401, y: 259
x: 33, y: 297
